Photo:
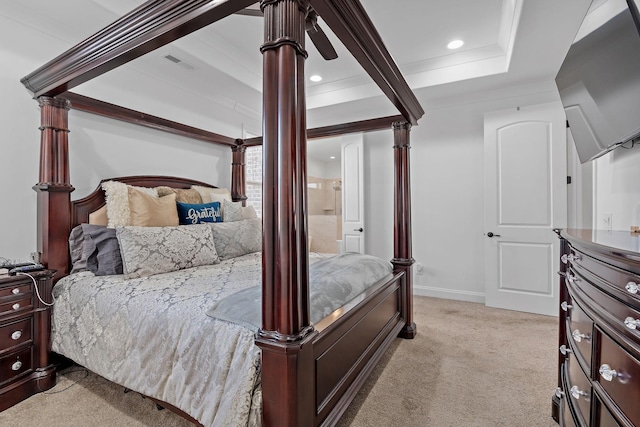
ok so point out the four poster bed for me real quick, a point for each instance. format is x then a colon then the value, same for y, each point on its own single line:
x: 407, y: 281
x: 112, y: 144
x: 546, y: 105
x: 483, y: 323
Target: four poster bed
x: 306, y: 367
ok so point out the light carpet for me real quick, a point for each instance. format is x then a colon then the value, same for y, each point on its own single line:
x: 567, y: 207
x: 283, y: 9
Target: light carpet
x: 469, y: 366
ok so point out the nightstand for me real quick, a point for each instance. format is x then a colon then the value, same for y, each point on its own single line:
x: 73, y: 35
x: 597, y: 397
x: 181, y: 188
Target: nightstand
x: 25, y: 337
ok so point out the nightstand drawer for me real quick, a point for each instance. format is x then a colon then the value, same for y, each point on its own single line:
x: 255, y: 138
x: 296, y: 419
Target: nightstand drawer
x: 618, y: 374
x: 16, y: 306
x: 13, y: 291
x: 16, y: 333
x: 15, y: 364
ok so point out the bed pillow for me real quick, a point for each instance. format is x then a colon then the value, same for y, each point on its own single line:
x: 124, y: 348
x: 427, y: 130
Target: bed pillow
x: 207, y: 192
x: 198, y: 213
x: 231, y: 211
x: 183, y: 195
x: 95, y: 248
x: 233, y: 239
x: 117, y: 199
x: 249, y: 212
x: 99, y: 217
x: 152, y: 250
x: 149, y: 211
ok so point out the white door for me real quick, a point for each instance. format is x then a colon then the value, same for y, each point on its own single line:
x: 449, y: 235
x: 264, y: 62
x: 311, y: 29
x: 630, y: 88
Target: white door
x: 353, y: 229
x: 525, y: 198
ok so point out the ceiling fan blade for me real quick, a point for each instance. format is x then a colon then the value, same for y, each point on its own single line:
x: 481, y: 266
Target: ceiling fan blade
x: 322, y: 43
x: 250, y: 11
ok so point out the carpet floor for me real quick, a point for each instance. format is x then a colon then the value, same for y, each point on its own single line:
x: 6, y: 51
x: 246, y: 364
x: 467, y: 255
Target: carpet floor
x: 469, y: 366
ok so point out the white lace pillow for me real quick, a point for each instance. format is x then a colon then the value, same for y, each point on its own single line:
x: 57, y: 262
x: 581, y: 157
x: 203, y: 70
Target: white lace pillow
x: 152, y: 250
x: 231, y: 211
x: 117, y: 199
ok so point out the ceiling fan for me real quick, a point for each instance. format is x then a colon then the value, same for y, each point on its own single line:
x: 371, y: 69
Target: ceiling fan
x: 317, y: 36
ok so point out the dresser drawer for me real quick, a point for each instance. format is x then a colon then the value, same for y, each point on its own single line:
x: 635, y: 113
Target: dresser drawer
x: 14, y: 291
x: 16, y: 333
x: 623, y: 280
x: 578, y: 390
x: 618, y: 375
x: 16, y: 306
x: 15, y: 364
x: 566, y: 417
x: 580, y: 333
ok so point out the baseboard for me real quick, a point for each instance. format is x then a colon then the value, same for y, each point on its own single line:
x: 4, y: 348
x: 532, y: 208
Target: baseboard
x: 431, y: 291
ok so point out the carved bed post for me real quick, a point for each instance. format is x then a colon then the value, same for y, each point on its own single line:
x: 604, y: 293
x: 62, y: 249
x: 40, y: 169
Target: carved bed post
x: 54, y: 187
x: 238, y: 174
x: 287, y: 360
x: 402, y: 254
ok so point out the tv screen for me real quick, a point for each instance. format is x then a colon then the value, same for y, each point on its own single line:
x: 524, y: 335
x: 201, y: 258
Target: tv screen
x: 599, y: 84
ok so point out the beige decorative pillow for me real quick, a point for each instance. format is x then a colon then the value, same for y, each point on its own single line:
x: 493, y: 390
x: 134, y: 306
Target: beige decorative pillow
x: 117, y: 199
x: 99, y: 217
x: 248, y: 212
x: 182, y: 195
x: 206, y: 193
x: 149, y: 211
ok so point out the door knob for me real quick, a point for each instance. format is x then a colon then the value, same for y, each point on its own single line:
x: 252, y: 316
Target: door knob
x: 359, y: 229
x: 490, y: 234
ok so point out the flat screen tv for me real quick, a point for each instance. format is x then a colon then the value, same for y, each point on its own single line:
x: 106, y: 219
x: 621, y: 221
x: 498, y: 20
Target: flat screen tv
x: 599, y: 84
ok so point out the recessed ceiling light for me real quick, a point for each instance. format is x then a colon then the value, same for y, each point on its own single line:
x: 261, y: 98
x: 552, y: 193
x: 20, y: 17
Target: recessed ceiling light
x: 315, y: 78
x: 455, y: 44
x: 332, y: 157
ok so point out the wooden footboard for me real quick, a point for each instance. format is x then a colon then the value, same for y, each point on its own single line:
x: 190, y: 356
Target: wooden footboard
x: 350, y: 343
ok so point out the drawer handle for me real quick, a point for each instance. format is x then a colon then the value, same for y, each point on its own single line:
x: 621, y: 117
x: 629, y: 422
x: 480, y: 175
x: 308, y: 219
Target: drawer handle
x: 572, y: 279
x: 571, y: 257
x: 15, y: 291
x: 632, y: 323
x: 578, y: 337
x: 564, y: 350
x: 16, y: 335
x: 16, y: 306
x: 565, y: 306
x: 632, y: 287
x: 607, y: 373
x: 559, y: 393
x: 17, y: 365
x: 576, y: 393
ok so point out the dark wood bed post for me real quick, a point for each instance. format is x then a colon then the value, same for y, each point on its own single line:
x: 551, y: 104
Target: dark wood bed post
x: 54, y: 187
x: 286, y: 334
x: 238, y: 177
x: 402, y: 254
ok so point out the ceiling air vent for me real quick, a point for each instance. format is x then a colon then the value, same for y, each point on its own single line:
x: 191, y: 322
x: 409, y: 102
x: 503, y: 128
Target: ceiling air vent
x: 178, y: 61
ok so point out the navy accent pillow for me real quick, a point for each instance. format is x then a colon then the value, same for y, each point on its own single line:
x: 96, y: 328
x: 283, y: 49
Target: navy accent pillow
x: 190, y: 213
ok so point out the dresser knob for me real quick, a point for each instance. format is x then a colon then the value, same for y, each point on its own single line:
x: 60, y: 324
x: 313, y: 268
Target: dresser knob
x: 578, y: 337
x: 16, y: 335
x: 632, y: 323
x: 576, y: 393
x: 15, y: 306
x: 632, y: 287
x: 559, y: 393
x: 15, y: 291
x: 564, y: 350
x: 570, y: 257
x: 564, y: 259
x: 17, y: 365
x: 572, y: 279
x: 565, y: 307
x: 607, y: 373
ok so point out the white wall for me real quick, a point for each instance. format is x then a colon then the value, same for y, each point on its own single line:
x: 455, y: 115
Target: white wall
x: 101, y: 148
x: 617, y: 188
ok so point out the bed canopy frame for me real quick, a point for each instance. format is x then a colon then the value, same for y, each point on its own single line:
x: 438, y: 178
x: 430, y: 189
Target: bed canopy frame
x: 295, y: 355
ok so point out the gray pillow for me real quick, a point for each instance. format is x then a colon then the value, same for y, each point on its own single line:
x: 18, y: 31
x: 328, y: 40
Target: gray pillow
x: 94, y: 248
x: 233, y: 239
x: 152, y: 250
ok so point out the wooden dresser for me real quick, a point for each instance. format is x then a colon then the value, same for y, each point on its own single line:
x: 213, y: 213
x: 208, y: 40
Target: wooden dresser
x: 599, y: 330
x: 25, y: 331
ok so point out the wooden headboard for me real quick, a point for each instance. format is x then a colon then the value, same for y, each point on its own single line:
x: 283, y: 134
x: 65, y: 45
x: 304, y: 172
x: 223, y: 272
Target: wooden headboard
x: 81, y: 208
